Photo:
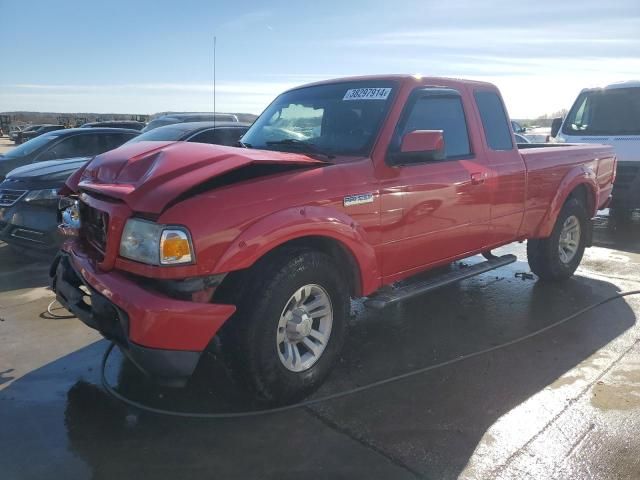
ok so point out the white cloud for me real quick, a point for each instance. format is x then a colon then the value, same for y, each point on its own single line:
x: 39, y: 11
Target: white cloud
x: 250, y: 97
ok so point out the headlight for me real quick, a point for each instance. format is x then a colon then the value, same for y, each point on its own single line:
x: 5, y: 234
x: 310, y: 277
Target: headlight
x: 47, y: 195
x: 148, y: 242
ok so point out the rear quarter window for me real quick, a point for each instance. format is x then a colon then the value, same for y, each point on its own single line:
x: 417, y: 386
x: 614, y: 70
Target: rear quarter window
x: 495, y: 124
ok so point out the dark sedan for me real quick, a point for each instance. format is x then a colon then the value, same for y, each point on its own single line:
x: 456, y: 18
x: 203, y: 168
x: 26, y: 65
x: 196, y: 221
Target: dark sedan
x: 29, y: 203
x: 29, y: 199
x: 25, y: 136
x: 173, y: 118
x: 115, y: 124
x: 16, y: 135
x: 75, y: 142
x: 220, y: 133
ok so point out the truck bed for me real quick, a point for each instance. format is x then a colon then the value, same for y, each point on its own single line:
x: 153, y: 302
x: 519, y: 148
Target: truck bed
x: 548, y: 165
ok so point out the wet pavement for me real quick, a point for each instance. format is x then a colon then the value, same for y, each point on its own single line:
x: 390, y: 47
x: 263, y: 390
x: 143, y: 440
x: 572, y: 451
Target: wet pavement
x: 562, y: 404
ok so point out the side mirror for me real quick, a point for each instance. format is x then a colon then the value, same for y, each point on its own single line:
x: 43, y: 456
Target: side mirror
x: 419, y: 146
x: 556, y: 123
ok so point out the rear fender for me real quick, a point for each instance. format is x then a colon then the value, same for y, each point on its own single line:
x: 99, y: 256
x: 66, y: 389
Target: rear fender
x: 294, y: 223
x: 579, y: 175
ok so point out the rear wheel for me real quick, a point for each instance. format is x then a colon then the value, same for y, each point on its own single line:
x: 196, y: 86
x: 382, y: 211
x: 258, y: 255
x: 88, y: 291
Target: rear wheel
x: 290, y: 325
x: 558, y: 256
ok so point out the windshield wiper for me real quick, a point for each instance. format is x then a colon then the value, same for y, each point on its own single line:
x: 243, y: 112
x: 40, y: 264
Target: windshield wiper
x: 302, y: 146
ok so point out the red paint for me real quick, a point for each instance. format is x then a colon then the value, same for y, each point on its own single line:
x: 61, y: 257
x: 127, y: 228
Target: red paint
x: 420, y: 216
x: 155, y: 320
x: 423, y: 141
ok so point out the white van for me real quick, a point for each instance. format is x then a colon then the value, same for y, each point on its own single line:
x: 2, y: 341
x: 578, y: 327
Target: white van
x: 610, y: 115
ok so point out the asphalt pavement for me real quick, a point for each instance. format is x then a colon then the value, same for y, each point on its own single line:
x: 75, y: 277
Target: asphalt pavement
x: 562, y: 404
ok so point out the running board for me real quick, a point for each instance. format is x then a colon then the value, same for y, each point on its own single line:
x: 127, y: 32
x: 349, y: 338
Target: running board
x: 409, y: 290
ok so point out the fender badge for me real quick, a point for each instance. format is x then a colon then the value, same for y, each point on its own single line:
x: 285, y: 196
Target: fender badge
x: 359, y: 199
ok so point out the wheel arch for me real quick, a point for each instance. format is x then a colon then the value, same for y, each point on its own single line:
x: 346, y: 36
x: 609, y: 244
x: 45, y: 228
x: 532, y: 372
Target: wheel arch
x: 316, y: 228
x: 580, y: 183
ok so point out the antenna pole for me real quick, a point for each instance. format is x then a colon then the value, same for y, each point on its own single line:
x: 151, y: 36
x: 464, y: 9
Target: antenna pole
x: 214, y: 81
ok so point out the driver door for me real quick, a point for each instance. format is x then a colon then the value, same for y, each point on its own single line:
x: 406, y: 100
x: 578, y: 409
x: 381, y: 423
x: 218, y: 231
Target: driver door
x: 434, y: 210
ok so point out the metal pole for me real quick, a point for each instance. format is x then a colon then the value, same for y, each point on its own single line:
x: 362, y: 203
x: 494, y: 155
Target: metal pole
x: 214, y: 81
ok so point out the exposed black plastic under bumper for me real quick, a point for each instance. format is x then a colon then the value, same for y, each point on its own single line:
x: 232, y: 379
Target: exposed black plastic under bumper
x: 168, y: 367
x: 626, y: 190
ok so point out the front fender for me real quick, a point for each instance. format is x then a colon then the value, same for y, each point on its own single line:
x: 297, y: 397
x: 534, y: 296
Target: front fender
x: 578, y: 175
x: 293, y: 223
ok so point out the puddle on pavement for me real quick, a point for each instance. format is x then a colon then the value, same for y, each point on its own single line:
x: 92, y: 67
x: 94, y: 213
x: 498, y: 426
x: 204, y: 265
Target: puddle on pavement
x: 619, y: 391
x: 565, y: 381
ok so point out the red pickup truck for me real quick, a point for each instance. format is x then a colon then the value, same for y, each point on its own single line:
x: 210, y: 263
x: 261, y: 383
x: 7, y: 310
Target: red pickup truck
x: 340, y: 189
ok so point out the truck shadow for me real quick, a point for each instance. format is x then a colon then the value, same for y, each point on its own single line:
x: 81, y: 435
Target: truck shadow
x: 18, y: 271
x: 428, y: 425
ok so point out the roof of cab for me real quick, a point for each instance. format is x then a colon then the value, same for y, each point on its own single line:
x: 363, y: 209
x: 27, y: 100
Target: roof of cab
x: 626, y: 84
x: 614, y: 86
x: 404, y: 78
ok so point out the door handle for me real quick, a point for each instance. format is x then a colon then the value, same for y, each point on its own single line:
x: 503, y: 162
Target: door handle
x: 478, y: 178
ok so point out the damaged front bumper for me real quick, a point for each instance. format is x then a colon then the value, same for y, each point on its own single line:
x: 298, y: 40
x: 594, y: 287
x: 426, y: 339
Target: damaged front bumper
x: 163, y: 336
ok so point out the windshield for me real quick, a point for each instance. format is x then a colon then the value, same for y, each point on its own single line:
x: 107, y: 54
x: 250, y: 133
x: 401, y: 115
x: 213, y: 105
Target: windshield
x: 162, y: 134
x: 336, y: 119
x: 31, y: 146
x: 605, y: 112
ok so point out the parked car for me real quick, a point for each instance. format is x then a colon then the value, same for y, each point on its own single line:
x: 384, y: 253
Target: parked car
x: 25, y: 136
x: 609, y: 115
x: 14, y: 131
x: 29, y: 203
x: 517, y: 128
x: 521, y: 138
x: 264, y: 246
x: 60, y: 144
x: 538, y: 134
x: 29, y: 211
x: 221, y: 133
x: 172, y: 118
x: 116, y: 124
x: 17, y: 135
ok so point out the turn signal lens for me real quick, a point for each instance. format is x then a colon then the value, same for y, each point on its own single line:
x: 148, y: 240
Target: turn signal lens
x: 175, y: 247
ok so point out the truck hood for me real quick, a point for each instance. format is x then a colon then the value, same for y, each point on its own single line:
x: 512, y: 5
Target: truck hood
x: 147, y: 176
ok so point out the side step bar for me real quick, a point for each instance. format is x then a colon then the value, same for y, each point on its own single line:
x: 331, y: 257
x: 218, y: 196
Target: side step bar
x: 409, y: 290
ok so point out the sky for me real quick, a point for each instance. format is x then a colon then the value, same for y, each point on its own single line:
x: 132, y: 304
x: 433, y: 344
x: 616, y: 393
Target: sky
x: 148, y: 56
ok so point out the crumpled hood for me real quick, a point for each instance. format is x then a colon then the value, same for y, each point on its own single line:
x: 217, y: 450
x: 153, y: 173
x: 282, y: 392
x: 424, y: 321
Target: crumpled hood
x: 149, y: 175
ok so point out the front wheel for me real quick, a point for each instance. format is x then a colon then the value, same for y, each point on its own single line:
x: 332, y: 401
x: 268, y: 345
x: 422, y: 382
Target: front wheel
x: 558, y: 256
x: 290, y: 325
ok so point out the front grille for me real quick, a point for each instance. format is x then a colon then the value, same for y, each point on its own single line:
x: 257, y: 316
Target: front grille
x: 626, y: 174
x: 10, y: 197
x: 93, y: 227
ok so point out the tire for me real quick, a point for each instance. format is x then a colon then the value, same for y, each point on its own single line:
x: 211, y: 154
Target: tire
x: 544, y: 255
x: 256, y: 342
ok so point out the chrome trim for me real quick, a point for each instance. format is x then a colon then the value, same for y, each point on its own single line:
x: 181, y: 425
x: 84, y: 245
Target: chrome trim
x: 18, y: 194
x: 15, y: 234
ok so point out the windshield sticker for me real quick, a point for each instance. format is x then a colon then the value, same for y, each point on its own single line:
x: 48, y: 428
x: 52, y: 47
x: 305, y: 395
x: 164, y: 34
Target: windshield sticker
x: 367, y: 94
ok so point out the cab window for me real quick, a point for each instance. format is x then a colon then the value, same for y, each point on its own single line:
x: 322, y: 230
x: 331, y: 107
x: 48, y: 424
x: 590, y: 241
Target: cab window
x: 441, y: 113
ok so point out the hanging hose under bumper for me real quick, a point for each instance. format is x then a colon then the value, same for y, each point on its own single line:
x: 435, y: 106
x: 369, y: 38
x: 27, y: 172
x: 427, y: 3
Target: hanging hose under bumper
x: 353, y: 391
